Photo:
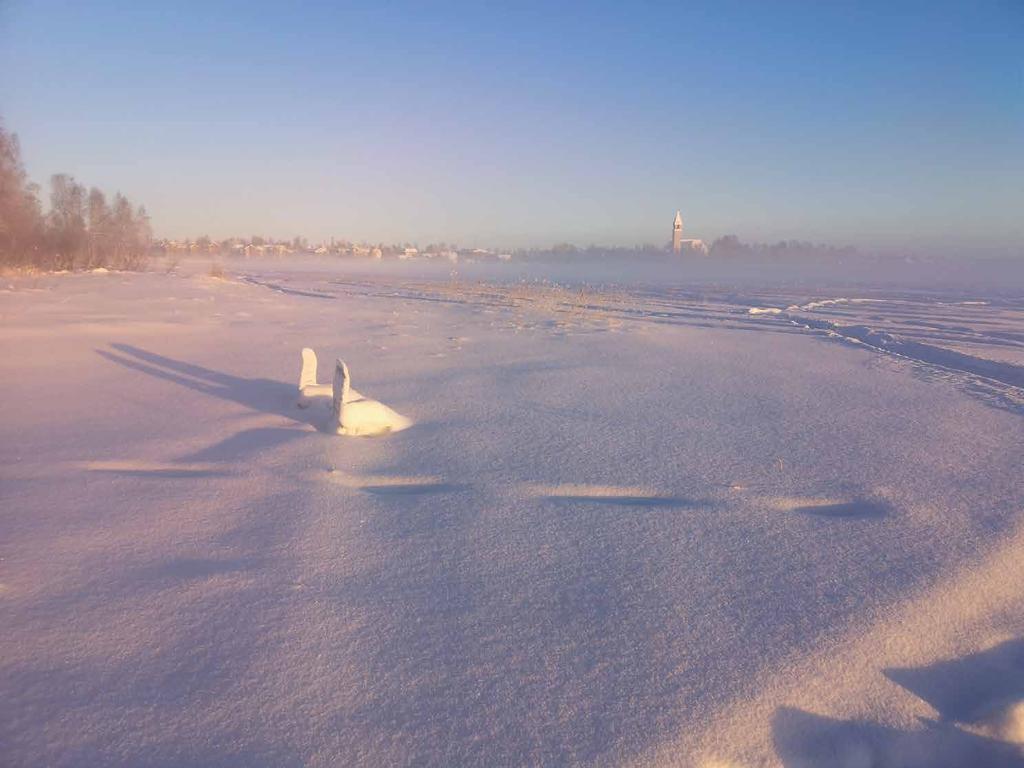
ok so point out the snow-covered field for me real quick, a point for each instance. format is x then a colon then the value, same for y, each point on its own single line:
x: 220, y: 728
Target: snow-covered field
x: 636, y: 524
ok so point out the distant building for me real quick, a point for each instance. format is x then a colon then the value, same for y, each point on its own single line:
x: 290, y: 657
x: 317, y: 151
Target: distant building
x: 679, y: 244
x: 677, y: 233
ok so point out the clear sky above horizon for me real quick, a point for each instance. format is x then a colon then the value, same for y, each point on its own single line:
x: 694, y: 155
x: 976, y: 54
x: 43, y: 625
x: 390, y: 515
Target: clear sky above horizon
x: 888, y: 124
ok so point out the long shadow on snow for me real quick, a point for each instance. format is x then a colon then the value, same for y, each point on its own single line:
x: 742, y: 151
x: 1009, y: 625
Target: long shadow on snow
x: 413, y: 489
x: 263, y: 395
x: 806, y: 740
x: 858, y: 509
x: 964, y: 691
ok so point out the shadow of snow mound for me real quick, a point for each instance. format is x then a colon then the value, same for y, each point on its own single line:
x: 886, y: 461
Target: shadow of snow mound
x: 983, y: 690
x: 263, y: 395
x: 806, y: 740
x: 412, y: 489
x: 858, y: 509
x: 969, y: 689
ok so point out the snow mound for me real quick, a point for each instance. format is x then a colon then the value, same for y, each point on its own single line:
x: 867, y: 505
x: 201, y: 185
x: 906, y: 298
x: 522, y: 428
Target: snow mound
x: 351, y: 413
x: 812, y: 305
x: 358, y: 416
x: 816, y: 304
x: 309, y: 390
x: 1005, y: 722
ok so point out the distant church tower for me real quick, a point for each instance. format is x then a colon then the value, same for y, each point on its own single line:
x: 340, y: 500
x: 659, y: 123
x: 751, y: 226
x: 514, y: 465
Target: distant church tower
x: 677, y: 234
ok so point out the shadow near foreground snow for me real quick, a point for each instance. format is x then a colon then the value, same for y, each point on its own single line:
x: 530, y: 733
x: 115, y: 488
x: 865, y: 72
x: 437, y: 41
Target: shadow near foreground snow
x: 964, y: 691
x: 263, y: 395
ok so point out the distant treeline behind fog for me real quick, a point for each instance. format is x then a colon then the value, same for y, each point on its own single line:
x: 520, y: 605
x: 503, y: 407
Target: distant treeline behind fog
x: 726, y: 247
x: 80, y: 230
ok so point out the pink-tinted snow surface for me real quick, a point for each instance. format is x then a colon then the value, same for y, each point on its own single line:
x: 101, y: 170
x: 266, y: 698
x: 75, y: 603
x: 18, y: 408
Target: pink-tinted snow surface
x: 628, y: 527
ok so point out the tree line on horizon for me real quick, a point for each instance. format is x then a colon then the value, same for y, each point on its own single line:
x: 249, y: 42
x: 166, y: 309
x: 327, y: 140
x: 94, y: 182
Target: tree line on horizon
x: 725, y: 247
x: 79, y: 230
x: 82, y: 230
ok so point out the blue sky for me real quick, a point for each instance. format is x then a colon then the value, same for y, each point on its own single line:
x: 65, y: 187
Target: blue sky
x: 892, y: 125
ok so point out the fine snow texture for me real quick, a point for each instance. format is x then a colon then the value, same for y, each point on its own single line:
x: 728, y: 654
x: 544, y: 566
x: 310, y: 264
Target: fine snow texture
x: 633, y: 525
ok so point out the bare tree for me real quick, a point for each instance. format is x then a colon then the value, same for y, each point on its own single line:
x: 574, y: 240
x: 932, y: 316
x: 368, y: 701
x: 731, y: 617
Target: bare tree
x: 99, y: 227
x: 143, y: 238
x: 21, y: 224
x: 68, y: 233
x: 131, y: 233
x: 80, y: 229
